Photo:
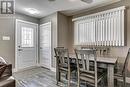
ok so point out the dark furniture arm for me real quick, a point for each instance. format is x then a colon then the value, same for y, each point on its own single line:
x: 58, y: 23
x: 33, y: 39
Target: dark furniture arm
x: 7, y: 80
x: 8, y: 71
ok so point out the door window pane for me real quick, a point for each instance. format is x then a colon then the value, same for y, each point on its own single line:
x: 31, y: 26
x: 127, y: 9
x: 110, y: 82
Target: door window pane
x: 27, y: 37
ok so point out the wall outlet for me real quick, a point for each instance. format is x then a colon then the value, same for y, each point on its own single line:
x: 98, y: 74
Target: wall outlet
x: 6, y: 37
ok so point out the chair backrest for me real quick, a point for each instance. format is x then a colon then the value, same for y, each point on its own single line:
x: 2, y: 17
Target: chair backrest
x: 126, y: 62
x: 85, y: 56
x: 62, y: 55
x: 59, y: 47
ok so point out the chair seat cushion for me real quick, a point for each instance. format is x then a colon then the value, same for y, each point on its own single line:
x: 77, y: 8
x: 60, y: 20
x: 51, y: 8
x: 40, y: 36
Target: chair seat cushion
x: 7, y: 82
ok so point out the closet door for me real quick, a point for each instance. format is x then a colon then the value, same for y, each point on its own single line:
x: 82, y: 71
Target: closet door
x: 45, y: 45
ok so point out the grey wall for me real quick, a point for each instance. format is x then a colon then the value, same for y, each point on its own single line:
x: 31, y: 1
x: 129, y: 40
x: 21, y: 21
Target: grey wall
x: 71, y: 35
x: 7, y: 28
x: 63, y: 30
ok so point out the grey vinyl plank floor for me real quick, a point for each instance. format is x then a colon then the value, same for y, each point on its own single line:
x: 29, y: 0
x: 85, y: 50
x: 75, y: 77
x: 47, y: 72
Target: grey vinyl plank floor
x: 38, y: 77
x: 41, y: 77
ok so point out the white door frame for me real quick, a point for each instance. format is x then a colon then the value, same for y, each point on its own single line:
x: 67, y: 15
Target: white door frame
x: 16, y: 22
x: 51, y: 43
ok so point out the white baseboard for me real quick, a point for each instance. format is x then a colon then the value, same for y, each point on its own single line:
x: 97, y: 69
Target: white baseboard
x: 53, y: 69
x: 14, y: 70
x: 39, y: 65
x: 20, y: 70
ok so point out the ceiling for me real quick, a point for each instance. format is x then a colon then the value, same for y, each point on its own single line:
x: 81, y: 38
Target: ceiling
x: 68, y: 7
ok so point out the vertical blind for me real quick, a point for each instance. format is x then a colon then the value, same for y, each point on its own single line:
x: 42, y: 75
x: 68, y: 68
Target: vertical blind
x: 104, y: 28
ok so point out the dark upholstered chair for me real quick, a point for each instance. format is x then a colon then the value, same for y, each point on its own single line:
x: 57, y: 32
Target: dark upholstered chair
x: 122, y: 74
x: 90, y: 75
x: 6, y: 79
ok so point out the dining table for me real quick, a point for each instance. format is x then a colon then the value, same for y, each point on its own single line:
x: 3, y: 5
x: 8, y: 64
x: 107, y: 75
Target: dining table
x: 109, y: 62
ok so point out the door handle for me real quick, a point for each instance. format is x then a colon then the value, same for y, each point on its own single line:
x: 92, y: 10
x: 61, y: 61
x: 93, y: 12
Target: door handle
x: 19, y: 46
x: 20, y: 49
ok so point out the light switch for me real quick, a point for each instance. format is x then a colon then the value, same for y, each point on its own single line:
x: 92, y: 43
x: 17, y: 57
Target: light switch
x: 6, y: 37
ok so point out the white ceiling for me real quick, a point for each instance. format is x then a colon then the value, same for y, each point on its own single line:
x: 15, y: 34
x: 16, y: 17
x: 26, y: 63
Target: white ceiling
x: 67, y: 7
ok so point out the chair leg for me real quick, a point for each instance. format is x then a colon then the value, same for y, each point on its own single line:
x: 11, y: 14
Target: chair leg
x: 86, y: 84
x: 115, y: 82
x: 66, y: 76
x: 78, y: 84
x: 57, y: 83
x: 75, y: 73
x: 102, y: 83
x: 69, y: 79
x: 59, y: 78
x: 124, y: 82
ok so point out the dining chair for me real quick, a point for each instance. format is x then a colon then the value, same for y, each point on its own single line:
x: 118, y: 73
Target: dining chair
x: 63, y: 63
x: 122, y: 74
x: 59, y: 47
x: 91, y: 76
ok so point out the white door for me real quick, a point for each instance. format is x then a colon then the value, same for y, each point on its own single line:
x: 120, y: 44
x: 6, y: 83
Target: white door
x: 26, y: 44
x: 45, y: 45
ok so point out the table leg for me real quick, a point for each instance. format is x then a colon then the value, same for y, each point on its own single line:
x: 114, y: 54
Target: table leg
x: 58, y: 76
x: 57, y: 72
x: 110, y: 75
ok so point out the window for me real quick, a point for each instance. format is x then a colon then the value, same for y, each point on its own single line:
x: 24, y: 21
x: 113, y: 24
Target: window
x: 27, y: 37
x: 104, y: 28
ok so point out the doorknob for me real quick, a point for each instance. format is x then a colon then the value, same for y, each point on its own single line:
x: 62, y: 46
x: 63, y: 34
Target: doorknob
x: 20, y: 49
x: 19, y: 46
